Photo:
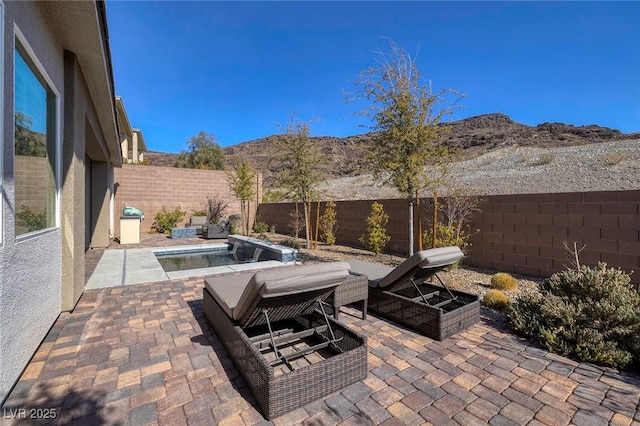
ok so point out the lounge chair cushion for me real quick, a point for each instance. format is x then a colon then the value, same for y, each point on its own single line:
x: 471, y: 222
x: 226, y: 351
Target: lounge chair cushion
x: 236, y: 299
x: 424, y: 259
x: 198, y: 220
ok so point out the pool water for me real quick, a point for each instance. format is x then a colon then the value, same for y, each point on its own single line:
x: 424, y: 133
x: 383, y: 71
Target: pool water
x: 203, y: 259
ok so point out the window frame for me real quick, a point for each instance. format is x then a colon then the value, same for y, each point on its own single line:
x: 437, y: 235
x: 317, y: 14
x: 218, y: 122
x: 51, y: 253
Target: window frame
x: 56, y: 137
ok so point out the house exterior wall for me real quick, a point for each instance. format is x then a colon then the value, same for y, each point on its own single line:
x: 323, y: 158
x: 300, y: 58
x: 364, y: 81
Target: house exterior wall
x: 149, y: 188
x: 521, y: 234
x: 30, y: 288
x: 42, y: 273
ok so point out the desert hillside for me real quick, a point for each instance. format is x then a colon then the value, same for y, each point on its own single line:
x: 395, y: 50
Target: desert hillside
x: 499, y: 155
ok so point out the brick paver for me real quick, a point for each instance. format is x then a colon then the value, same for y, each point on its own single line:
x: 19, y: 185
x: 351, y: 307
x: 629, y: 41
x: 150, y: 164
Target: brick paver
x: 144, y: 354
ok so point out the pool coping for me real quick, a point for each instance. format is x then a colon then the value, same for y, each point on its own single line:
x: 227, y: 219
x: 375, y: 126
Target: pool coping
x: 136, y: 266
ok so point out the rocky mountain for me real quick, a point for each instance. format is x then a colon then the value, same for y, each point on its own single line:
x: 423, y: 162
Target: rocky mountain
x: 475, y: 136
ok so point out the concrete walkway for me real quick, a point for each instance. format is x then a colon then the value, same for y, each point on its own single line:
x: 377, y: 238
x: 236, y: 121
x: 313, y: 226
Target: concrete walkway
x: 144, y: 354
x: 140, y: 265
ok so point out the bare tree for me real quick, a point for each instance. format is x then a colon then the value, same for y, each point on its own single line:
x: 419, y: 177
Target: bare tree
x: 298, y: 162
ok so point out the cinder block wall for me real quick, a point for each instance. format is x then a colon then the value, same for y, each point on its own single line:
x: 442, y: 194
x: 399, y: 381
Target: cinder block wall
x: 525, y: 233
x: 517, y: 233
x: 149, y: 188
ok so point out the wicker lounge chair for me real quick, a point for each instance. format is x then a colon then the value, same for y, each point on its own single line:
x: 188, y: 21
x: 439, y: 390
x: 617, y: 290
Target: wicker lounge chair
x: 197, y: 222
x: 279, y: 337
x: 403, y: 295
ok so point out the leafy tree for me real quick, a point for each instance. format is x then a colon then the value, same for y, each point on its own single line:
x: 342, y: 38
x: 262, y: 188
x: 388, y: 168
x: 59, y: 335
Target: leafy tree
x: 406, y: 114
x: 297, y: 161
x: 28, y: 142
x: 242, y: 180
x: 203, y: 152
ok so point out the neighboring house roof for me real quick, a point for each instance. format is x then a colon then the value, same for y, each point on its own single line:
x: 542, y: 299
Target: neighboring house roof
x: 82, y: 28
x: 142, y: 146
x: 124, y: 125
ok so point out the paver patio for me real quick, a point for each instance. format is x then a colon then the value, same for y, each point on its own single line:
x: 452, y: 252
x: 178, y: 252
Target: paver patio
x: 143, y: 354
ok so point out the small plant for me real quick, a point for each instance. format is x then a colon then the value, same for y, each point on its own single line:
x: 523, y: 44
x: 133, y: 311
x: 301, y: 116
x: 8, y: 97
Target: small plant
x: 31, y: 220
x: 198, y: 213
x: 290, y: 242
x: 592, y: 314
x: 272, y: 229
x: 260, y: 228
x: 296, y: 221
x: 543, y: 159
x: 614, y: 158
x: 503, y: 281
x: 495, y: 299
x: 328, y: 223
x: 235, y: 223
x: 165, y: 220
x: 446, y: 236
x: 376, y: 237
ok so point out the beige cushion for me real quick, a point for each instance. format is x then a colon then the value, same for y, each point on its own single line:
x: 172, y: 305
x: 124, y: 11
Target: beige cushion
x: 424, y: 259
x: 227, y: 289
x: 236, y: 299
x: 198, y: 220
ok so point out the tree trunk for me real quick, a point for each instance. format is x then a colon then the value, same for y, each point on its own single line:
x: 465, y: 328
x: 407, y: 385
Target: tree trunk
x: 306, y: 222
x: 435, y: 220
x: 411, y: 226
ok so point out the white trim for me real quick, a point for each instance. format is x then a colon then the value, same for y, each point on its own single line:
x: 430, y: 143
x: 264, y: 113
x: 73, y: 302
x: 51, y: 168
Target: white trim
x: 2, y: 147
x: 57, y: 134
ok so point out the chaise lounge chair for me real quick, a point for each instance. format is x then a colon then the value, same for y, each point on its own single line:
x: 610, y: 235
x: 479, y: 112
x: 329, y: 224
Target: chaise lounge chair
x: 403, y: 295
x: 279, y: 337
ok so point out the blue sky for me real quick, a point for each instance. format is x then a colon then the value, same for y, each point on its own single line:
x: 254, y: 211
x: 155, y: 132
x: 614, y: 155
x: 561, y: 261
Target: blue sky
x: 236, y: 69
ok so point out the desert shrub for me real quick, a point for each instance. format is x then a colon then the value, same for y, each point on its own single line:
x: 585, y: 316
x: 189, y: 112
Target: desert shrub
x: 198, y: 213
x: 260, y: 228
x: 613, y: 158
x: 592, y: 314
x: 446, y: 236
x: 495, y: 299
x: 543, y: 159
x: 215, y: 207
x: 30, y: 219
x: 235, y: 223
x: 290, y: 242
x: 328, y: 223
x: 503, y: 281
x: 376, y: 237
x: 296, y: 221
x: 165, y: 220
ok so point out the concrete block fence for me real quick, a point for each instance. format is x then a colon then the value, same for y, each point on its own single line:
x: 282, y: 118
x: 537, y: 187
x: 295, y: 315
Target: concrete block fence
x: 149, y: 188
x: 521, y: 234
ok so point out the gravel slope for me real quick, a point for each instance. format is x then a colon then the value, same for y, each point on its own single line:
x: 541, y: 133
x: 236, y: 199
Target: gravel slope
x: 523, y: 170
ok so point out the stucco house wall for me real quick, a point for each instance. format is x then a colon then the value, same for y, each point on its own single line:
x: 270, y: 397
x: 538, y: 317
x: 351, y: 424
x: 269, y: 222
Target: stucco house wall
x: 42, y: 272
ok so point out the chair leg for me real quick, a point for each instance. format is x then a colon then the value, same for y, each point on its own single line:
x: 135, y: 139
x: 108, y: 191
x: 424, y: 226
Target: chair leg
x: 364, y: 309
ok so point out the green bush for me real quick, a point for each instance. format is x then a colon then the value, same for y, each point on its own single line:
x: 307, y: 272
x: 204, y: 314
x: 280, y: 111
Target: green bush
x: 446, y: 236
x: 503, y: 281
x: 328, y: 223
x: 590, y: 313
x: 165, y: 220
x: 376, y: 237
x: 260, y: 228
x: 290, y: 242
x: 31, y: 220
x: 495, y: 299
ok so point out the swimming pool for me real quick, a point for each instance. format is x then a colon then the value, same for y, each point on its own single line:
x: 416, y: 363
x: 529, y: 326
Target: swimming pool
x: 181, y: 261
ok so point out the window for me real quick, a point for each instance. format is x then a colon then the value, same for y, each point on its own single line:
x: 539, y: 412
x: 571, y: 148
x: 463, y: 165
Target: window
x: 35, y: 147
